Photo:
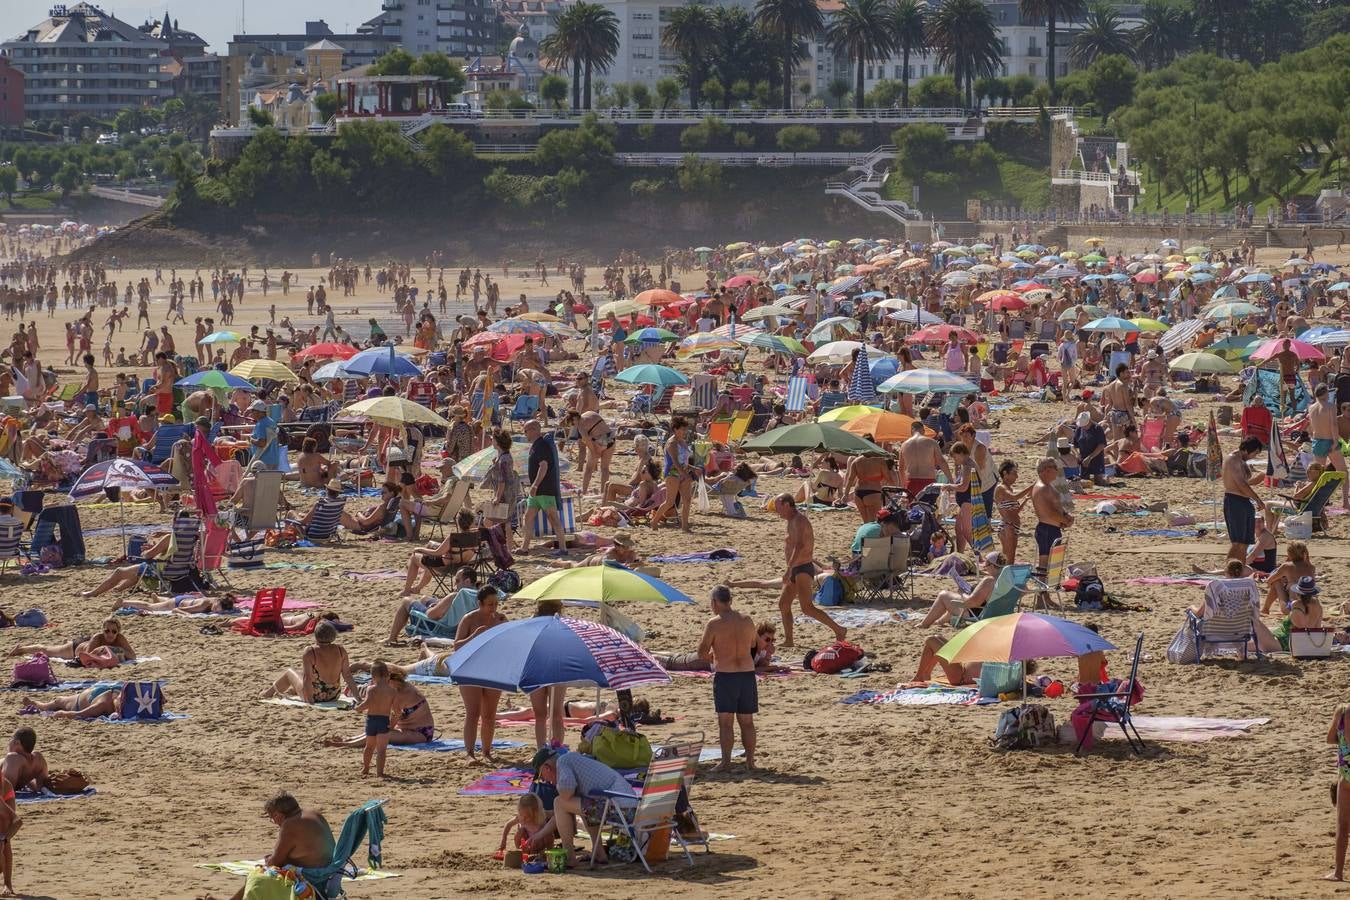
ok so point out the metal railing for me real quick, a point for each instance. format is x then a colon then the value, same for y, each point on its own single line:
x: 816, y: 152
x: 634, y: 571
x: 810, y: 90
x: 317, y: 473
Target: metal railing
x: 505, y: 149
x: 1027, y: 112
x: 767, y: 160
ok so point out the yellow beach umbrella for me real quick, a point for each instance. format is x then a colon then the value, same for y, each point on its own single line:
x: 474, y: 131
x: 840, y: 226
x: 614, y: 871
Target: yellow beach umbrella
x: 1095, y: 242
x: 254, y: 369
x: 538, y: 317
x: 394, y: 411
x: 1146, y: 324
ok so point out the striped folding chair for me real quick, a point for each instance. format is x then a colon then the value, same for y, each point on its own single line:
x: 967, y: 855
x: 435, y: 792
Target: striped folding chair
x: 703, y: 392
x: 186, y: 538
x: 640, y: 815
x: 566, y: 514
x: 423, y: 392
x: 796, y: 394
x: 9, y: 545
x: 327, y: 516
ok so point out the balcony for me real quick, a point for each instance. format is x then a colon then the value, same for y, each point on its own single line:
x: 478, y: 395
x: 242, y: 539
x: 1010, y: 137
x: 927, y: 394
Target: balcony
x: 1034, y: 51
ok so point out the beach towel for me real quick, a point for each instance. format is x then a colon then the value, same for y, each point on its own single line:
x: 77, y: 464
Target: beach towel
x: 67, y: 686
x: 300, y: 567
x: 499, y: 783
x: 340, y: 704
x: 823, y: 507
x: 858, y: 617
x: 567, y: 723
x: 714, y: 754
x: 1107, y: 497
x: 244, y: 867
x: 245, y: 604
x: 109, y: 720
x: 932, y: 695
x: 76, y: 664
x: 453, y: 745
x: 47, y: 796
x: 1188, y: 729
x: 307, y: 628
x: 363, y: 678
x: 1197, y: 580
x: 722, y: 554
x: 707, y: 673
x: 1163, y: 532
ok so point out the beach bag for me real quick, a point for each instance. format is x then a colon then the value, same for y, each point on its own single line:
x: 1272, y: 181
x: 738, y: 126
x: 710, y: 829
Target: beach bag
x: 1298, y: 527
x: 833, y: 659
x: 703, y: 503
x: 1089, y: 593
x: 506, y: 581
x: 622, y: 749
x: 142, y: 700
x: 1310, y: 643
x: 71, y: 781
x: 1000, y: 678
x: 35, y: 671
x: 31, y: 618
x: 51, y: 556
x: 1182, y: 649
x: 1025, y: 728
x: 830, y: 592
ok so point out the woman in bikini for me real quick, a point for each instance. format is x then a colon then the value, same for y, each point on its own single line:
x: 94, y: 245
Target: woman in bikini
x: 1336, y: 736
x: 109, y: 641
x: 91, y: 703
x: 1296, y: 565
x: 866, y: 475
x: 325, y: 669
x: 963, y: 470
x: 1009, y: 503
x: 480, y: 704
x: 598, y: 439
x: 187, y: 606
x: 415, y: 722
x: 642, y: 448
x: 679, y: 475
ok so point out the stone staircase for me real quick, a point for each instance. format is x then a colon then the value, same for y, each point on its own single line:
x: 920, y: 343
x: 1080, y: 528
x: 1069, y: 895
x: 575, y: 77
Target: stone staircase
x: 864, y: 189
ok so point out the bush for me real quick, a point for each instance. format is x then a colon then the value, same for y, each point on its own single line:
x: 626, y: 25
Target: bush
x: 743, y: 140
x: 647, y: 187
x: 646, y: 132
x: 920, y: 149
x: 849, y: 137
x: 585, y: 148
x: 709, y: 132
x: 936, y: 90
x: 799, y: 138
x: 697, y: 176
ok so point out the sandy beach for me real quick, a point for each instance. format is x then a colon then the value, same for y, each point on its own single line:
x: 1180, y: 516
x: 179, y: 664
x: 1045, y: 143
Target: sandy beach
x: 851, y: 800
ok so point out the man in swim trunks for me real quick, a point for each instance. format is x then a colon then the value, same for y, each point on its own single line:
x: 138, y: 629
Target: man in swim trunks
x: 1238, y: 496
x: 920, y: 459
x: 1289, y: 363
x: 800, y: 577
x: 726, y: 643
x: 1118, y: 402
x: 1324, y: 429
x: 1050, y: 512
x: 305, y: 838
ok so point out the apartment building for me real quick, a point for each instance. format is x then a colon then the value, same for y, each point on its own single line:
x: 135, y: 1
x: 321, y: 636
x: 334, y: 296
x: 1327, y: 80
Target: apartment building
x: 457, y: 28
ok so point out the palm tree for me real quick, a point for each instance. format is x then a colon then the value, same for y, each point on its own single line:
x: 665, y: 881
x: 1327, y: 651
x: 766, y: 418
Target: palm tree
x: 1162, y: 34
x: 860, y: 30
x: 1054, y: 12
x: 560, y: 49
x: 789, y: 20
x: 967, y: 42
x: 907, y: 32
x: 599, y: 30
x: 691, y: 32
x: 1102, y: 35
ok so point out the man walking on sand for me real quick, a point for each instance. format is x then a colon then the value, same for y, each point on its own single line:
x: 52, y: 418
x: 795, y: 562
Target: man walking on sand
x: 1239, y: 517
x: 800, y: 577
x: 1324, y: 429
x: 729, y: 640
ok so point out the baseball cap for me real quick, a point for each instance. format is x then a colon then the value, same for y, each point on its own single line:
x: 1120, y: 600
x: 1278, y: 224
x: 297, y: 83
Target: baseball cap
x: 257, y: 406
x: 542, y: 756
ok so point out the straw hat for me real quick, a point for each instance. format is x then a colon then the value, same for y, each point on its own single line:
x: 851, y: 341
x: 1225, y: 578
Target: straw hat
x: 167, y: 419
x: 623, y: 539
x: 335, y: 486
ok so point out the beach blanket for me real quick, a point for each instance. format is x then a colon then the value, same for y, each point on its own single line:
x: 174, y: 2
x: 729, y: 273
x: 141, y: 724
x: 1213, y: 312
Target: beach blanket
x: 714, y: 754
x: 722, y: 554
x: 109, y: 720
x: 499, y: 783
x: 307, y: 628
x: 453, y: 745
x: 46, y: 796
x: 1197, y: 580
x: 244, y: 867
x: 246, y: 604
x: 858, y: 617
x: 822, y: 507
x: 116, y: 531
x: 567, y: 723
x: 932, y: 695
x: 363, y: 678
x: 340, y: 704
x: 1164, y: 532
x: 72, y: 686
x: 347, y: 491
x: 381, y: 575
x: 76, y: 664
x: 1320, y: 548
x: 705, y: 673
x: 299, y: 567
x: 1188, y: 729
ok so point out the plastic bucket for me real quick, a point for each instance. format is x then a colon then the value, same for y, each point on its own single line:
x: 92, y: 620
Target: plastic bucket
x: 557, y: 860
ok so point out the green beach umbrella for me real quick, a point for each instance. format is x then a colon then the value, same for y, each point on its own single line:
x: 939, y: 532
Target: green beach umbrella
x: 808, y: 436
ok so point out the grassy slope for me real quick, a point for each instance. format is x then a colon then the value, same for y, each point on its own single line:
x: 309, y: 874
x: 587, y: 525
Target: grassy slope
x: 1307, y: 183
x: 1015, y: 183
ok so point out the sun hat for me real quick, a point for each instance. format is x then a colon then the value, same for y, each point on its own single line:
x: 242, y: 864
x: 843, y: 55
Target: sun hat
x: 623, y: 539
x: 257, y: 406
x: 1306, y: 586
x: 335, y: 486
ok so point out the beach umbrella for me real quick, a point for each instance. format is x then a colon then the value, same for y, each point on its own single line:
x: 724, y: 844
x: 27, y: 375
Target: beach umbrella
x: 894, y: 303
x: 698, y: 344
x: 738, y: 245
x: 114, y: 478
x: 399, y: 411
x: 270, y: 369
x: 703, y: 250
x: 772, y: 311
x: 884, y: 427
x: 542, y: 651
x: 1339, y: 286
x: 1236, y: 310
x: 1061, y: 272
x: 1255, y: 278
x: 326, y: 350
x: 1147, y: 277
x: 999, y: 293
x: 619, y: 308
x: 1023, y: 287
x: 984, y: 269
x: 1111, y: 323
x: 1009, y: 303
x: 861, y: 387
x: 883, y: 367
x: 1338, y: 338
x: 606, y: 583
x: 475, y: 466
x: 847, y: 413
x: 740, y: 281
x: 1146, y: 324
x: 329, y: 371
x: 1071, y: 313
x: 539, y: 317
x: 1021, y: 636
x: 1236, y: 346
x: 808, y: 436
x: 1306, y: 352
x: 915, y: 317
x: 1092, y: 259
x: 385, y: 361
x: 214, y: 378
x: 824, y: 329
x: 923, y: 381
x: 648, y: 373
x: 517, y: 326
x: 1095, y: 242
x: 221, y: 337
x: 1202, y: 363
x: 917, y: 262
x: 651, y: 336
x: 941, y: 334
x: 774, y: 343
x: 835, y: 352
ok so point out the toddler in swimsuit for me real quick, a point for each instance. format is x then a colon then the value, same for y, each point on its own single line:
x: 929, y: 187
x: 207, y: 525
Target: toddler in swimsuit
x: 381, y: 712
x: 528, y: 821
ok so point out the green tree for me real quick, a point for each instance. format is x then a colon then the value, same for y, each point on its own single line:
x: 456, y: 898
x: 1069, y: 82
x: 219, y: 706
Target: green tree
x: 937, y: 91
x: 1218, y: 16
x: 594, y: 32
x: 988, y: 87
x: 586, y: 148
x: 396, y: 62
x: 502, y: 99
x: 885, y: 93
x: 743, y: 140
x: 966, y: 41
x: 715, y: 93
x: 1020, y: 88
x: 559, y: 49
x: 642, y: 95
x: 1053, y: 12
x: 445, y: 152
x: 697, y: 176
x: 860, y: 30
x: 838, y: 89
x: 849, y: 137
x: 9, y: 182
x: 667, y: 91
x: 327, y: 104
x: 261, y: 118
x: 1111, y: 81
x: 690, y: 33
x: 68, y: 178
x: 909, y: 32
x: 553, y: 90
x: 789, y: 21
x: 796, y: 139
x: 1163, y: 34
x: 331, y: 177
x: 23, y: 162
x: 920, y: 149
x: 1102, y: 35
x: 449, y: 76
x: 622, y: 94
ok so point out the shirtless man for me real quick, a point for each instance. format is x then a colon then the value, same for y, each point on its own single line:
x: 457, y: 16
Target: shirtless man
x: 305, y: 839
x: 1050, y: 512
x: 1324, y: 428
x: 800, y: 577
x: 23, y: 767
x: 90, y: 388
x: 920, y: 459
x: 1238, y: 497
x: 1288, y: 362
x: 727, y: 641
x: 1118, y: 402
x: 166, y: 373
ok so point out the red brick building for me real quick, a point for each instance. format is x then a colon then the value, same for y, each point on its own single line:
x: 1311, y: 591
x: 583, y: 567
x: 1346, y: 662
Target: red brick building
x: 11, y: 95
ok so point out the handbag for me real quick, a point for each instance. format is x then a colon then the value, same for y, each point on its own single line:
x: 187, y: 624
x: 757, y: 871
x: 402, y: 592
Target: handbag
x: 71, y: 781
x: 500, y: 511
x: 1310, y: 643
x: 36, y: 670
x: 622, y: 749
x: 1182, y: 649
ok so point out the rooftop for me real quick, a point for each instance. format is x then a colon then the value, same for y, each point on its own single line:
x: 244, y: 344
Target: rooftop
x: 84, y: 23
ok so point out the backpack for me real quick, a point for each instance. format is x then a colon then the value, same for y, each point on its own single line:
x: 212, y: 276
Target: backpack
x: 1025, y: 728
x: 34, y: 671
x: 833, y: 659
x: 831, y: 591
x: 142, y: 700
x: 622, y: 749
x: 1090, y: 593
x: 506, y: 581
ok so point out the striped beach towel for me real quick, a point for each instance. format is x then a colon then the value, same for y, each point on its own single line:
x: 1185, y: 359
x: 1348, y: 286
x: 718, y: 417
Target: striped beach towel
x: 703, y: 391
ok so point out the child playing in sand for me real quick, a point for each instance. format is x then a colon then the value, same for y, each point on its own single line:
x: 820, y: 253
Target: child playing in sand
x: 528, y: 821
x: 381, y: 713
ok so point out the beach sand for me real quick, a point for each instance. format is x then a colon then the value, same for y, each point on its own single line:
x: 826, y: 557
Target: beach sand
x: 849, y: 800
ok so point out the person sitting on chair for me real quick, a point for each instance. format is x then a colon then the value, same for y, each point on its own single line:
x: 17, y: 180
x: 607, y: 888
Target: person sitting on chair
x: 374, y: 517
x: 127, y: 577
x: 439, y: 610
x: 457, y: 549
x: 954, y: 603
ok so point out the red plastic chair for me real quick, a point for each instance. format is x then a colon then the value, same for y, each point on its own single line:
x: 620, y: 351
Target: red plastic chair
x: 266, y: 614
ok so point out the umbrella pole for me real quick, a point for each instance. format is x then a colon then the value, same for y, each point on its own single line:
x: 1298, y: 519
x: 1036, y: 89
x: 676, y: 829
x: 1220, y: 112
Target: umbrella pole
x: 122, y: 516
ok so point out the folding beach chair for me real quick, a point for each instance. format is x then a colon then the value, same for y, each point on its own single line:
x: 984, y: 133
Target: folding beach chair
x: 796, y: 394
x: 423, y: 392
x: 1116, y: 706
x: 459, y: 494
x: 324, y: 526
x: 422, y: 625
x: 566, y: 516
x: 1316, y: 502
x: 9, y: 545
x: 463, y: 547
x: 740, y: 424
x: 1229, y: 617
x: 638, y: 816
x: 266, y: 613
x: 1150, y: 437
x: 175, y: 573
x: 365, y: 823
x: 885, y: 567
x: 165, y: 437
x: 661, y: 400
x: 527, y: 407
x: 1051, y: 581
x: 688, y: 747
x: 703, y: 391
x: 262, y: 514
x: 741, y: 396
x: 719, y: 431
x: 1004, y: 599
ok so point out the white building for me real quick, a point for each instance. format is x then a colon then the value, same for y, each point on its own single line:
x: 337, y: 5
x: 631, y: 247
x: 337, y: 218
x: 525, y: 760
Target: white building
x: 457, y: 28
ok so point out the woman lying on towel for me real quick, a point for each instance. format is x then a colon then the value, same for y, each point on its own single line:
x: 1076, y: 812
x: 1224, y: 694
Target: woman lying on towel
x: 107, y: 644
x: 415, y: 724
x: 766, y: 636
x: 186, y: 605
x: 90, y: 703
x: 590, y: 711
x: 431, y: 663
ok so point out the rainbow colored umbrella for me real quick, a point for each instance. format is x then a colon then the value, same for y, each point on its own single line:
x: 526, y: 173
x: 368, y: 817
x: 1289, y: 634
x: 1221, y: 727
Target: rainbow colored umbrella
x: 1021, y: 636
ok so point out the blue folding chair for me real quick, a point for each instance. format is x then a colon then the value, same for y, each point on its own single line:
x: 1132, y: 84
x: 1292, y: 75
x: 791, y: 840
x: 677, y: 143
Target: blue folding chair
x: 366, y: 823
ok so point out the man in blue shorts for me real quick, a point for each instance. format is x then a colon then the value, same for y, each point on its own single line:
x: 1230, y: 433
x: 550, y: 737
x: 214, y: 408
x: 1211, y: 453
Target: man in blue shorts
x: 729, y: 640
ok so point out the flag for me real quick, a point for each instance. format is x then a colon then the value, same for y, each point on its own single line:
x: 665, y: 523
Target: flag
x: 1213, y: 451
x: 1277, y: 463
x: 861, y: 388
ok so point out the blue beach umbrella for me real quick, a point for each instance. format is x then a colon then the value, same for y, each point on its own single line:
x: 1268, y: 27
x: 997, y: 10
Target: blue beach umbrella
x: 381, y: 361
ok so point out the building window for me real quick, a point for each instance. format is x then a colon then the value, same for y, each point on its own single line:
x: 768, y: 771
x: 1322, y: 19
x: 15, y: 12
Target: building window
x: 1063, y: 68
x: 1031, y: 69
x: 869, y: 73
x: 923, y: 71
